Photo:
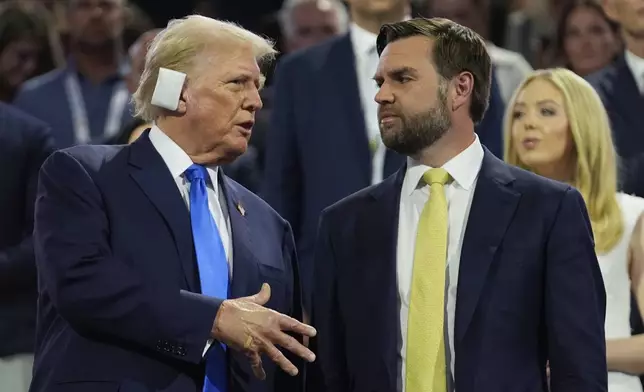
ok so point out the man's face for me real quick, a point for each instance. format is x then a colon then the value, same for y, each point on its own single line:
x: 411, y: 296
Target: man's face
x: 96, y: 22
x: 412, y: 99
x: 313, y: 22
x: 628, y: 13
x: 376, y: 7
x: 221, y: 102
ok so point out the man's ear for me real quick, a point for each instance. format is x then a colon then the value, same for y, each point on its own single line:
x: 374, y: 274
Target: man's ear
x: 182, y: 105
x: 462, y: 88
x: 610, y: 9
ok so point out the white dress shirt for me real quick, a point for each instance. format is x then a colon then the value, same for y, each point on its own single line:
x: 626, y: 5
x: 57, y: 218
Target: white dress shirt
x: 510, y: 67
x: 178, y: 162
x: 366, y: 57
x: 636, y: 65
x: 463, y: 169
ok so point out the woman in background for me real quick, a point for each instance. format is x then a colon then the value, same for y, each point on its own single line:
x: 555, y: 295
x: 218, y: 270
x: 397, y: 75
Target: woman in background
x: 587, y: 40
x: 28, y: 46
x: 556, y: 126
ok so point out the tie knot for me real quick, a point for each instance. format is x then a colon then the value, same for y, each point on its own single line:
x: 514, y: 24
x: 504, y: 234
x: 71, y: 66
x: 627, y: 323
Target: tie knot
x: 196, y: 172
x: 436, y: 176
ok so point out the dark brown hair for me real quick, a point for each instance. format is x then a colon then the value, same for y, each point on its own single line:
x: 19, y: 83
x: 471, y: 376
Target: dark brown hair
x: 562, y: 24
x: 456, y: 49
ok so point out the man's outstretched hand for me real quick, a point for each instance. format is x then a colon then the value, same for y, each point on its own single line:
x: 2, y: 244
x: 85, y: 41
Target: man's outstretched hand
x: 244, y: 324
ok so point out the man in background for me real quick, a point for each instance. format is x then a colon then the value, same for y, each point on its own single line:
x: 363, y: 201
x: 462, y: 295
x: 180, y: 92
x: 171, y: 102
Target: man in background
x: 621, y: 87
x: 87, y: 101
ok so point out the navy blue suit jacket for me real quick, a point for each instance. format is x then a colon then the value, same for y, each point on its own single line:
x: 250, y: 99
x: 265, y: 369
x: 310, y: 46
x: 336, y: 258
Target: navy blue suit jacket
x: 624, y: 103
x: 119, y: 306
x: 529, y: 290
x: 317, y: 149
x: 25, y: 143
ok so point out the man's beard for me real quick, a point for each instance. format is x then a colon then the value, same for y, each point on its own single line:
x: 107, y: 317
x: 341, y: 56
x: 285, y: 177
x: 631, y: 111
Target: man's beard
x: 419, y: 131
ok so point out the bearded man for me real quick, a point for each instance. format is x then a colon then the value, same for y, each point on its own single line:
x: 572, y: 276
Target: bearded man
x: 458, y: 272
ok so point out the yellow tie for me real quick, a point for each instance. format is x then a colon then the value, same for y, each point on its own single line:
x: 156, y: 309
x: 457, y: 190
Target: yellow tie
x: 425, y: 362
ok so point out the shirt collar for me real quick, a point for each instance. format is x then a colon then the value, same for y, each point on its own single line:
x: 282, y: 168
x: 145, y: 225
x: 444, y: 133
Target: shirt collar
x: 174, y: 157
x: 636, y: 65
x: 463, y: 168
x: 363, y: 41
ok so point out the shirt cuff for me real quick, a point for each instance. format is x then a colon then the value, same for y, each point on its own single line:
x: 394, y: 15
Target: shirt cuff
x: 208, y: 344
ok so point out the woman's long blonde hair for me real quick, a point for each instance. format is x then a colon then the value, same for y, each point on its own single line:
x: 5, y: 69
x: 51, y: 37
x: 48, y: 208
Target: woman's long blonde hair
x: 595, y: 175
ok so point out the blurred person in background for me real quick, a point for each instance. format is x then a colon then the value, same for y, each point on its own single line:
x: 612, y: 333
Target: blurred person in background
x: 587, y: 40
x: 557, y: 127
x: 309, y: 22
x: 87, y: 100
x: 25, y: 49
x: 137, y: 23
x: 324, y: 142
x: 621, y: 87
x: 510, y: 68
x: 25, y: 143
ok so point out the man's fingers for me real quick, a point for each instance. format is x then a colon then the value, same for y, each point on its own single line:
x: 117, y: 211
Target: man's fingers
x: 256, y: 365
x: 276, y: 356
x: 263, y: 296
x: 290, y: 324
x: 292, y: 345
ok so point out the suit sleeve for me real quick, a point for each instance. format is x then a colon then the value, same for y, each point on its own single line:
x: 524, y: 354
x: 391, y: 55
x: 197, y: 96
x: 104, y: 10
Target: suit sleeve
x: 328, y: 373
x: 94, y: 291
x: 282, y: 174
x: 17, y: 264
x: 283, y: 381
x: 575, y: 303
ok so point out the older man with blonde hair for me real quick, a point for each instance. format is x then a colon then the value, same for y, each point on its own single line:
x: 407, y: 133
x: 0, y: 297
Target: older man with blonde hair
x: 156, y: 271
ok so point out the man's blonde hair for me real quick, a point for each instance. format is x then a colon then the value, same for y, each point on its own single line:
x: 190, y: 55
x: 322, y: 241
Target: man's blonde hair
x: 182, y: 43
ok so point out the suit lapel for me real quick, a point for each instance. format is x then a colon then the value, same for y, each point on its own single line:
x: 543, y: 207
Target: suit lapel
x: 341, y: 68
x: 153, y: 177
x: 493, y: 206
x: 245, y: 263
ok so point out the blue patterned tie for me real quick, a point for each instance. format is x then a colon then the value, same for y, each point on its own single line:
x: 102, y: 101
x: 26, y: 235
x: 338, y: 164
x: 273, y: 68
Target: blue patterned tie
x: 212, y: 264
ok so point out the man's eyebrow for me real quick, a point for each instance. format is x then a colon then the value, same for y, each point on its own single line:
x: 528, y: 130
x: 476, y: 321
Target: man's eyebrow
x: 397, y: 73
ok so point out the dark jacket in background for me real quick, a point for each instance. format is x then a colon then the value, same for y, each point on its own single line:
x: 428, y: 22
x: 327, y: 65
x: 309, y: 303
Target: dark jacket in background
x: 24, y: 144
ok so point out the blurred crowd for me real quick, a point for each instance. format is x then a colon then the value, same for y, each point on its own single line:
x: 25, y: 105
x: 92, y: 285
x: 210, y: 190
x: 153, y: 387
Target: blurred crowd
x: 68, y: 69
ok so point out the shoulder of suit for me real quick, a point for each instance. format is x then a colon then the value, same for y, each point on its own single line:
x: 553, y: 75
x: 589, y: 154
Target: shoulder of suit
x: 12, y: 116
x: 604, y: 79
x: 95, y: 157
x: 354, y: 201
x: 528, y: 182
x: 42, y: 81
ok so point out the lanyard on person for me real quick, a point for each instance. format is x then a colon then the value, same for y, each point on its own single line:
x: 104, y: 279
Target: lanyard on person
x: 79, y: 112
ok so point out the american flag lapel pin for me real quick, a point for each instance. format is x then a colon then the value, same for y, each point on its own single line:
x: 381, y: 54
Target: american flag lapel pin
x: 241, y: 209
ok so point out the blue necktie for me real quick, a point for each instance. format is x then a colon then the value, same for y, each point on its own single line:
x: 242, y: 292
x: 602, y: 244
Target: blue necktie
x: 212, y: 264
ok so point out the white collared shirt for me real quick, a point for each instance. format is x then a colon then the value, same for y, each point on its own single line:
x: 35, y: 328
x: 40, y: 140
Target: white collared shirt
x: 510, y: 67
x: 178, y: 162
x: 636, y: 65
x: 464, y: 169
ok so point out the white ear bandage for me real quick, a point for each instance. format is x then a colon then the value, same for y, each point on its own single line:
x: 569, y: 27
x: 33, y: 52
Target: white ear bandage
x: 168, y: 89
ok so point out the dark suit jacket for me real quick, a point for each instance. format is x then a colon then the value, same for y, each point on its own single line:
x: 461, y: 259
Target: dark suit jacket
x: 25, y: 143
x: 617, y: 88
x: 119, y: 307
x: 317, y: 149
x: 529, y: 290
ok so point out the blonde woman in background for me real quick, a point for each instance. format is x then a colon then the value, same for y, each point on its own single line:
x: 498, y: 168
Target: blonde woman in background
x: 556, y: 126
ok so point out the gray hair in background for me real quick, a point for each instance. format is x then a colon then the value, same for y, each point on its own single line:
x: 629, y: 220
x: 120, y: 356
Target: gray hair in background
x: 285, y: 17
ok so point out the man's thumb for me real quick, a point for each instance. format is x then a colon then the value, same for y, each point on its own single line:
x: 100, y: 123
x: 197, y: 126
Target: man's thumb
x: 264, y: 295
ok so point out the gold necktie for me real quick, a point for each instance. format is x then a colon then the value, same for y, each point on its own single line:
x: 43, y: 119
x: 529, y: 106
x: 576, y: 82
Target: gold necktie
x: 425, y: 362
